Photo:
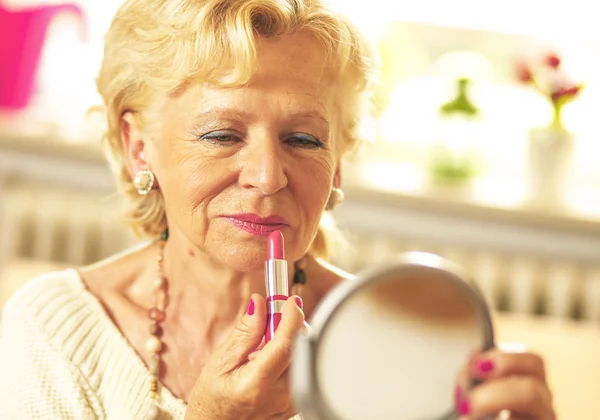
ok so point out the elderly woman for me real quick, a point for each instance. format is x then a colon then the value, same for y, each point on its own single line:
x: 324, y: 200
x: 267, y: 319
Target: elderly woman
x: 227, y: 120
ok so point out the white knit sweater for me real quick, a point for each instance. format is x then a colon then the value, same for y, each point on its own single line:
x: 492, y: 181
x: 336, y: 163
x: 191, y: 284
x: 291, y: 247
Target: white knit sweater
x: 62, y: 357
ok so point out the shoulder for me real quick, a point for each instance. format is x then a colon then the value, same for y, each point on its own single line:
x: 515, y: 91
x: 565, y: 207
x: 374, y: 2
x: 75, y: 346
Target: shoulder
x: 322, y: 277
x: 54, y: 309
x: 37, y: 298
x: 118, y: 273
x: 336, y: 273
x: 330, y: 276
x: 38, y: 341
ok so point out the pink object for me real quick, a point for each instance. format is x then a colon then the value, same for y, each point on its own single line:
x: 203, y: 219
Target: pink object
x: 277, y: 297
x: 275, y: 246
x: 22, y: 36
x: 251, y: 307
x: 256, y: 225
x: 464, y: 407
x: 276, y: 282
x: 484, y: 367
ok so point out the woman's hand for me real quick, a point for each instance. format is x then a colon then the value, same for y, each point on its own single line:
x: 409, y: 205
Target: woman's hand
x: 234, y: 386
x: 512, y: 383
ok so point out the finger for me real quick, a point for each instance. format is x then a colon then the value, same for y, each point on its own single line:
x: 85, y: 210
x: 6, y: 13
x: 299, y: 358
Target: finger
x: 283, y: 387
x: 507, y: 415
x: 523, y: 396
x: 285, y: 415
x: 463, y: 378
x: 462, y: 385
x: 275, y: 356
x: 288, y: 414
x: 245, y: 337
x: 495, y: 364
x: 253, y: 355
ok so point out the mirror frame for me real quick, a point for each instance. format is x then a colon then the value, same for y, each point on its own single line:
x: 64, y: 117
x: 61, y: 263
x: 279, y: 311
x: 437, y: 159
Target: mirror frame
x: 304, y: 376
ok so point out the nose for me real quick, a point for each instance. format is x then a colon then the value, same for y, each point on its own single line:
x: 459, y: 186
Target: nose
x: 263, y: 165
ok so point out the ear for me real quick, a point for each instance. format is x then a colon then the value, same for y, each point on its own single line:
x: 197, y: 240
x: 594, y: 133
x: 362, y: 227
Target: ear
x: 337, y: 176
x: 133, y: 144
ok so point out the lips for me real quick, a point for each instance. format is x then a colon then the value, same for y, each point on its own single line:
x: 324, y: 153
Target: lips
x: 257, y: 225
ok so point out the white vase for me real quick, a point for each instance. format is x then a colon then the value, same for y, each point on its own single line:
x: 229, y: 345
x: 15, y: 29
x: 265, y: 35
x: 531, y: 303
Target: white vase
x: 549, y: 167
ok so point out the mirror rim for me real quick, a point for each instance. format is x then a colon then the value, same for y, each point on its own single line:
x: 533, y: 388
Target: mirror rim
x: 304, y: 375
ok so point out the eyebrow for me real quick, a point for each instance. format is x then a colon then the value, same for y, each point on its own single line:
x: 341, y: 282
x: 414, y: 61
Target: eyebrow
x: 309, y: 115
x: 245, y: 115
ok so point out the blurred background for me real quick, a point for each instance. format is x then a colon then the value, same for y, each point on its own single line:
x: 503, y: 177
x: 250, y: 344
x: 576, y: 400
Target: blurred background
x: 482, y: 145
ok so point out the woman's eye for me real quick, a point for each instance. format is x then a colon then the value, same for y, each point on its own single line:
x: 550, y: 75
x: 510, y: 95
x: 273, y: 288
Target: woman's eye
x: 220, y: 138
x: 305, y: 141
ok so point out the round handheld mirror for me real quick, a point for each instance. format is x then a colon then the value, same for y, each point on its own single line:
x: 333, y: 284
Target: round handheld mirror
x: 391, y: 344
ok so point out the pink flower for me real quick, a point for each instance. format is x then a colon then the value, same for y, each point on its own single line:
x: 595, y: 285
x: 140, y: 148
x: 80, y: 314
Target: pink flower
x: 549, y: 80
x: 569, y: 91
x: 553, y: 60
x: 524, y: 73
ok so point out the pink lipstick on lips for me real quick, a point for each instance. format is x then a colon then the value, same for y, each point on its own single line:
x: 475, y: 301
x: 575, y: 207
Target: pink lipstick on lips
x: 256, y: 225
x: 276, y: 281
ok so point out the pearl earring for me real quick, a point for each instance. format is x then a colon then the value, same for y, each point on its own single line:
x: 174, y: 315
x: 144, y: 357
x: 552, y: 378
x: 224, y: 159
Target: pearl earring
x: 335, y: 197
x: 144, y: 181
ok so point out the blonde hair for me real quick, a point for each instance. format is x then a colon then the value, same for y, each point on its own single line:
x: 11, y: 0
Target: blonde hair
x: 162, y: 45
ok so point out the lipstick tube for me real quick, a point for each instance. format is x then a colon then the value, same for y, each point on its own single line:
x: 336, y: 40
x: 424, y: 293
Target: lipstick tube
x: 276, y: 282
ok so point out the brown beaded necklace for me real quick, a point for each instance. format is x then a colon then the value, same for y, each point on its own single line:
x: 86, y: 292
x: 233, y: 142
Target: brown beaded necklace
x: 156, y: 314
x: 154, y: 344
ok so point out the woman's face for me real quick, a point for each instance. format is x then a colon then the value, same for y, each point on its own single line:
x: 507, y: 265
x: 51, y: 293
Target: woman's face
x: 234, y: 164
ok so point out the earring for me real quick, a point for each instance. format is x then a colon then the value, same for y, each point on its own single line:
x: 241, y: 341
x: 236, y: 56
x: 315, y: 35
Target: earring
x: 144, y: 181
x: 336, y: 197
x: 299, y: 279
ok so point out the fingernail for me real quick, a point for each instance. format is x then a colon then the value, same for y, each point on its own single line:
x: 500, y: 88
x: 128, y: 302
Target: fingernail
x: 251, y: 307
x: 464, y: 407
x: 299, y: 302
x: 485, y: 366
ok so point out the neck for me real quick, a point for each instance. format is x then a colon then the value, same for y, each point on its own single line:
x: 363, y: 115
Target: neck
x: 205, y: 296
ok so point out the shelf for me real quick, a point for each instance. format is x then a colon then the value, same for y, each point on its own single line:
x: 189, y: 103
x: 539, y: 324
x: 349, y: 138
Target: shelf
x: 51, y: 160
x: 453, y: 204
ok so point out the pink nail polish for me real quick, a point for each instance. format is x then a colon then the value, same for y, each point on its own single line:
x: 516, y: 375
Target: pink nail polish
x: 299, y: 302
x: 464, y: 407
x: 485, y: 366
x: 251, y: 307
